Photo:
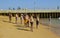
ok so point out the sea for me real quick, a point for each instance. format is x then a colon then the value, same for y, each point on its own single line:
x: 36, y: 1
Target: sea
x: 53, y: 24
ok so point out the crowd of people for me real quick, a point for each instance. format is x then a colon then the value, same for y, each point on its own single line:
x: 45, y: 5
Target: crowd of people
x: 28, y: 19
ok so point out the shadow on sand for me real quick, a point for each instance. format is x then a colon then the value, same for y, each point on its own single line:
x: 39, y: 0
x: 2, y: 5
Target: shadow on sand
x: 23, y: 29
x: 19, y: 27
x: 5, y: 21
x: 8, y: 21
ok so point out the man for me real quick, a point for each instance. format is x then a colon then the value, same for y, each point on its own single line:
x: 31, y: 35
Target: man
x: 21, y: 18
x: 37, y: 22
x: 16, y: 17
x: 27, y: 20
x: 10, y: 16
x: 31, y: 22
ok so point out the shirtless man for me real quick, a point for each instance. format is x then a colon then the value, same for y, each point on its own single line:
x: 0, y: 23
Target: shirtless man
x: 27, y: 20
x: 16, y: 17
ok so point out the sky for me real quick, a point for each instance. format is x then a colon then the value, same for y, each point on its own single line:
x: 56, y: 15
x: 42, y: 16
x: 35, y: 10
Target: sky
x: 29, y: 4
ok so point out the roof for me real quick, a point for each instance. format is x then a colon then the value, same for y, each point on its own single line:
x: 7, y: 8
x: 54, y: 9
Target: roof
x: 29, y: 11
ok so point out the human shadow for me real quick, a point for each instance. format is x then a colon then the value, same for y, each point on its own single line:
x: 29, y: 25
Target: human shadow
x: 22, y: 29
x: 8, y: 21
x: 18, y: 25
x: 5, y: 21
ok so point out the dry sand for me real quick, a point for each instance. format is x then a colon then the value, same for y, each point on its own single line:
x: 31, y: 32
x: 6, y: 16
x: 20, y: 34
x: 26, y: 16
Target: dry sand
x: 11, y: 30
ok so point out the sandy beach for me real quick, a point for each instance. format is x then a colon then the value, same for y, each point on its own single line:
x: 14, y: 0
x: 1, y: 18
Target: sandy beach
x: 12, y: 30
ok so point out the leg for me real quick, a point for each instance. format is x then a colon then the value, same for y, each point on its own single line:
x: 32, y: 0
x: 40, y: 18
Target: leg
x: 37, y: 23
x: 28, y: 24
x: 32, y: 26
x: 10, y: 20
x: 21, y: 20
x: 16, y: 20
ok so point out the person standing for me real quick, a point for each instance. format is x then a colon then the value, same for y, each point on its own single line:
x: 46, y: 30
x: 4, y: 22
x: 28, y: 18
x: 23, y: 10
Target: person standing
x: 37, y: 22
x: 10, y: 17
x: 16, y: 17
x: 31, y: 22
x: 21, y: 18
x: 27, y: 20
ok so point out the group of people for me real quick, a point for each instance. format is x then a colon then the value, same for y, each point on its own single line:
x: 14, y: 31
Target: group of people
x: 28, y: 20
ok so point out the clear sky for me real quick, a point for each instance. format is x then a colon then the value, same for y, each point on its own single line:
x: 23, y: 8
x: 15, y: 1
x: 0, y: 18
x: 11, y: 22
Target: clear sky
x: 39, y: 4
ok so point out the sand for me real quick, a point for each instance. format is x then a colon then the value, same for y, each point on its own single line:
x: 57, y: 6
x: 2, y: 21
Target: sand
x: 12, y: 30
